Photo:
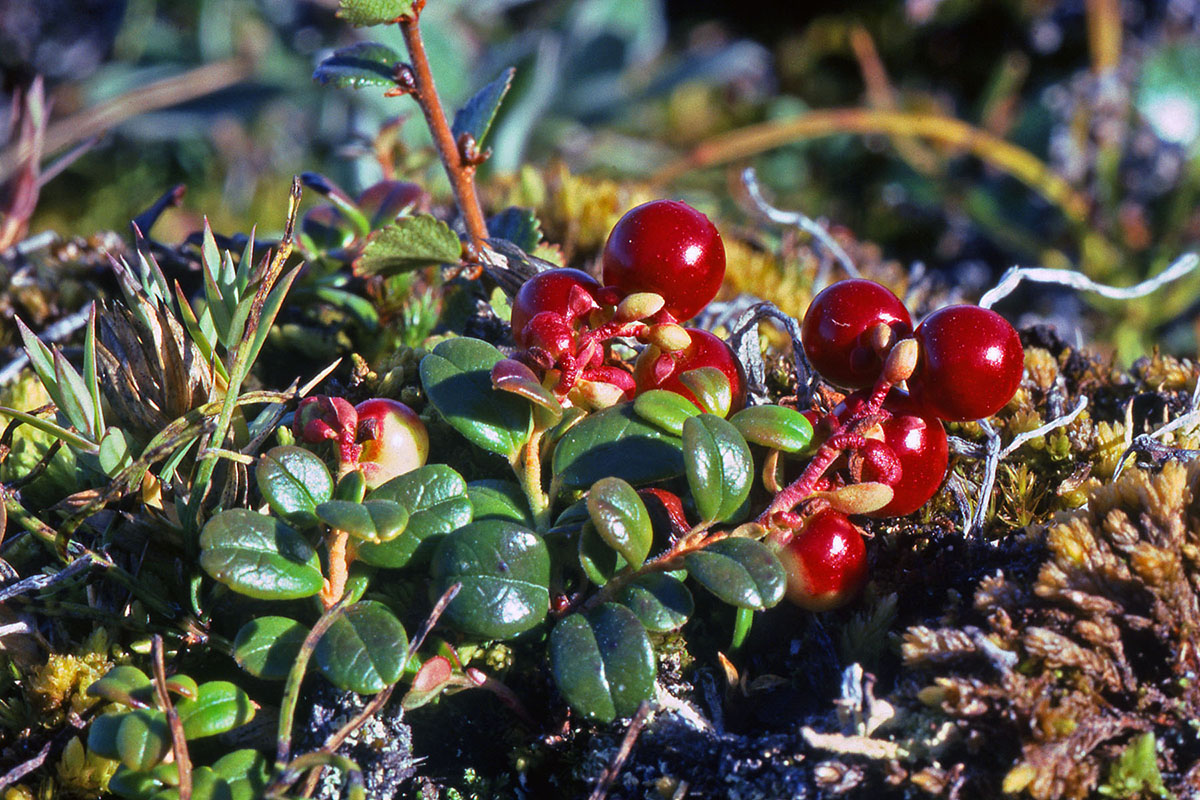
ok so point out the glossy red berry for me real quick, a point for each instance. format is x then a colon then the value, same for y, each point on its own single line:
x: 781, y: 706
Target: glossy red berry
x: 393, y: 438
x: 826, y: 562
x: 838, y: 326
x: 705, y: 350
x: 669, y: 248
x: 970, y: 363
x: 569, y: 293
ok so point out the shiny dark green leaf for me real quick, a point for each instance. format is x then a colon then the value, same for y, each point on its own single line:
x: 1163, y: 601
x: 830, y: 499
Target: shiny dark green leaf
x: 259, y: 556
x: 617, y: 442
x: 475, y: 118
x: 359, y: 65
x: 293, y: 481
x: 602, y: 662
x: 711, y: 388
x: 246, y: 771
x: 621, y: 519
x: 667, y: 410
x: 407, y: 244
x: 221, y: 707
x: 742, y: 572
x: 777, y: 427
x: 124, y: 684
x: 660, y: 601
x: 373, y: 521
x: 457, y: 377
x: 102, y: 734
x: 435, y: 497
x: 719, y: 468
x: 599, y: 561
x: 143, y: 738
x: 505, y: 574
x: 267, y: 647
x: 498, y: 499
x: 363, y: 651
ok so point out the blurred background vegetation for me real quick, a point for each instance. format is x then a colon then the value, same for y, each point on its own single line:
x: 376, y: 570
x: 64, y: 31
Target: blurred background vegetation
x: 1100, y: 97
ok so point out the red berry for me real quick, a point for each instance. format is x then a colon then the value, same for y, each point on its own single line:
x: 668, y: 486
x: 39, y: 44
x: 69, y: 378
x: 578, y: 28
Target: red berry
x: 569, y: 293
x: 669, y: 248
x: 970, y: 363
x: 838, y: 326
x: 918, y: 441
x: 826, y: 562
x: 393, y: 438
x: 706, y: 350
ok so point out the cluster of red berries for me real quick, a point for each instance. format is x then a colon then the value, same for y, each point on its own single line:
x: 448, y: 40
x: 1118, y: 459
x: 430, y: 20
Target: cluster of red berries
x: 961, y: 363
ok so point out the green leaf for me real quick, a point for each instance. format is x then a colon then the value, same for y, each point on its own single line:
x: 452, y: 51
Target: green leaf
x: 143, y: 738
x: 740, y: 571
x: 363, y: 13
x: 661, y: 602
x: 74, y: 400
x: 621, y: 519
x: 137, y: 784
x: 599, y: 561
x: 293, y: 481
x: 711, y: 388
x: 373, y: 521
x: 359, y: 65
x: 517, y: 225
x: 477, y: 115
x: 510, y: 375
x: 1167, y: 92
x: 114, y: 452
x: 572, y: 520
x: 667, y: 410
x: 457, y: 377
x: 124, y: 684
x: 616, y: 442
x: 364, y: 650
x: 436, y: 500
x: 777, y: 427
x: 505, y: 574
x: 220, y: 707
x: 246, y: 771
x: 267, y: 647
x: 719, y: 468
x: 259, y: 556
x: 603, y: 662
x: 184, y: 686
x: 408, y: 243
x: 206, y: 785
x: 499, y: 499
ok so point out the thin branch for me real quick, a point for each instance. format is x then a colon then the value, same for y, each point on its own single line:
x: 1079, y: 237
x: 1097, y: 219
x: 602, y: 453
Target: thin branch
x: 744, y: 340
x: 1077, y: 280
x: 622, y: 755
x: 183, y: 761
x: 24, y: 768
x: 36, y: 583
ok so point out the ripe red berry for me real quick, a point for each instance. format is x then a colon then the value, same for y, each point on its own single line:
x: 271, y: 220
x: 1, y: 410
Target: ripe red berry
x: 393, y: 438
x: 706, y: 350
x: 669, y: 248
x: 826, y: 562
x: 838, y: 326
x: 970, y: 363
x: 569, y: 293
x: 918, y: 441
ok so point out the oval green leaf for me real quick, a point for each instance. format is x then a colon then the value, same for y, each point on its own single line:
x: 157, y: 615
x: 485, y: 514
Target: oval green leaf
x: 221, y: 706
x: 777, y: 427
x: 617, y: 442
x: 719, y: 468
x: 740, y: 571
x: 599, y: 561
x: 246, y: 771
x: 711, y: 388
x: 435, y: 497
x: 621, y: 519
x: 363, y: 650
x: 137, y: 784
x: 126, y: 685
x: 667, y: 410
x: 293, y: 481
x: 499, y: 499
x: 603, y: 662
x: 206, y: 785
x: 457, y: 377
x: 267, y: 647
x: 374, y: 521
x: 259, y: 556
x: 102, y: 734
x: 661, y: 602
x: 143, y: 738
x: 505, y: 574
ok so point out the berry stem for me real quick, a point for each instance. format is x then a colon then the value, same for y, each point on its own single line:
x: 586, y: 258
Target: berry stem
x: 339, y: 568
x: 460, y: 173
x: 528, y: 468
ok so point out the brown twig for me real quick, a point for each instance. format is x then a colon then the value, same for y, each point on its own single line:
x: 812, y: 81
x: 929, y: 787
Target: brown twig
x: 622, y: 755
x: 21, y: 770
x: 183, y: 763
x: 460, y: 172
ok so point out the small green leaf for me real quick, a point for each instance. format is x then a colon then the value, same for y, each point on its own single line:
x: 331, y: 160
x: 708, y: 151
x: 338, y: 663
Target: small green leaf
x: 498, y: 499
x: 124, y: 684
x: 777, y: 427
x: 293, y: 481
x: 114, y: 452
x: 621, y: 519
x: 126, y: 782
x: 599, y: 561
x: 667, y: 410
x: 352, y: 487
x: 660, y: 601
x: 572, y: 520
x: 603, y: 662
x: 477, y: 115
x: 510, y: 375
x: 616, y: 442
x: 267, y: 647
x: 102, y: 734
x: 457, y: 377
x: 359, y: 65
x: 436, y: 500
x: 364, y: 650
x: 517, y: 225
x: 720, y: 470
x: 74, y: 400
x: 363, y: 13
x: 259, y: 556
x: 143, y: 738
x: 246, y: 771
x: 739, y: 571
x: 183, y: 685
x: 220, y: 707
x: 505, y: 574
x: 206, y: 785
x: 408, y: 243
x: 711, y: 388
x: 374, y: 521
